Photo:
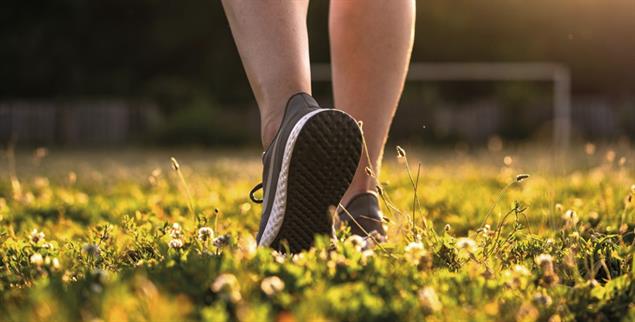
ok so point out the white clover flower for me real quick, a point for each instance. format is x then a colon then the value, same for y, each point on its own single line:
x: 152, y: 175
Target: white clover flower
x: 55, y: 263
x: 272, y: 285
x: 297, y: 258
x: 224, y: 280
x: 429, y: 300
x: 570, y: 216
x: 36, y: 235
x: 227, y: 284
x: 175, y: 243
x: 37, y: 259
x: 466, y: 244
x: 278, y: 257
x: 413, y: 246
x: 413, y: 252
x: 545, y: 261
x: 205, y: 233
x: 542, y: 299
x: 521, y: 270
x: 221, y: 241
x: 248, y: 247
x: 176, y: 231
x: 367, y: 253
x: 356, y: 241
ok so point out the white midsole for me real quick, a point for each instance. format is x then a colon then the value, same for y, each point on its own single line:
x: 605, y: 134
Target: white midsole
x: 280, y: 199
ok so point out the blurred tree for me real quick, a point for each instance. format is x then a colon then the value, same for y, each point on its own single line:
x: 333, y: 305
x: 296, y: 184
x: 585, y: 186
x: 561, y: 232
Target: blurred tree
x: 163, y: 49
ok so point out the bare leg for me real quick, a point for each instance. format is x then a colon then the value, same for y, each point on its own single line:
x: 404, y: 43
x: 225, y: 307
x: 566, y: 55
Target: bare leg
x: 272, y: 39
x: 371, y: 42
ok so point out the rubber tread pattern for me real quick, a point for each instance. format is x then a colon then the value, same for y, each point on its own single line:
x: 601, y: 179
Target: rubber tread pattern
x: 323, y: 163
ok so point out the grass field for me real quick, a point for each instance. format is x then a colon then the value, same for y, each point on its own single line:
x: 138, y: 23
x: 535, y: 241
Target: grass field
x: 120, y: 235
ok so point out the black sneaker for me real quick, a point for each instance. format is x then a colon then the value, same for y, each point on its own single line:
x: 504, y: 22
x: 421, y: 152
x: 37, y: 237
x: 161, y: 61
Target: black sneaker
x: 364, y: 208
x: 307, y: 168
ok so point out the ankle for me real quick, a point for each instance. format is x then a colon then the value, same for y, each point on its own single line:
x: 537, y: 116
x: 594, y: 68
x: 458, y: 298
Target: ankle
x: 357, y: 189
x: 269, y: 128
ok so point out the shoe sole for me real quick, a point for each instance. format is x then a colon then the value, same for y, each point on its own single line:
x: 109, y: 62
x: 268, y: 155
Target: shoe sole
x: 320, y: 159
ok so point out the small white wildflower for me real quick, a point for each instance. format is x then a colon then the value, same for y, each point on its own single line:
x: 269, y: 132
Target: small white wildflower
x: 278, y: 257
x: 356, y: 241
x: 205, y: 233
x: 466, y: 244
x: 272, y: 285
x: 227, y: 284
x: 248, y: 247
x: 37, y: 259
x: 221, y: 241
x: 521, y: 270
x: 570, y: 216
x: 297, y: 258
x: 367, y: 253
x: 545, y: 261
x: 175, y: 243
x: 542, y: 299
x: 413, y: 252
x: 176, y: 231
x: 55, y: 263
x: 429, y: 300
x: 36, y: 235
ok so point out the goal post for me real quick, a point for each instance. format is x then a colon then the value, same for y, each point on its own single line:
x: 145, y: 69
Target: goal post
x: 556, y: 73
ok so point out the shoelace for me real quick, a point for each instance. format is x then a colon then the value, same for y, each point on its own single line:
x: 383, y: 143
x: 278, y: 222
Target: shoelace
x: 251, y: 193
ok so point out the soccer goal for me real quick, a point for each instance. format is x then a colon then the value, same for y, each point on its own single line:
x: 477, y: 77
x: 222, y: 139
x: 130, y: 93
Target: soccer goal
x: 556, y: 73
